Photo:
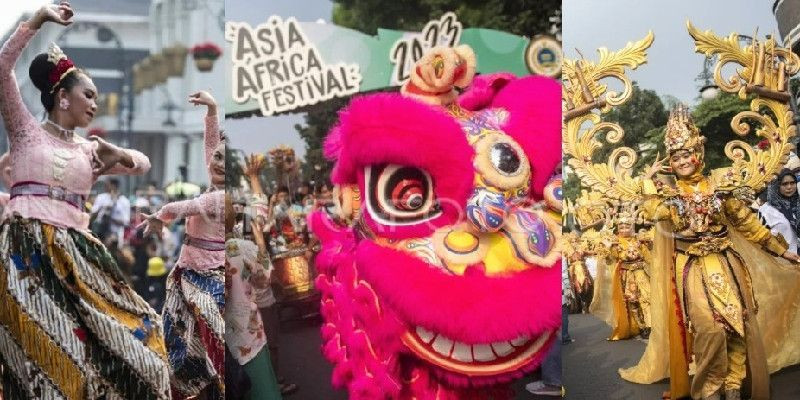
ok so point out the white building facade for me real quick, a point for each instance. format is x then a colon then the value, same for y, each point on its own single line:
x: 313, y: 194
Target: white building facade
x: 107, y: 39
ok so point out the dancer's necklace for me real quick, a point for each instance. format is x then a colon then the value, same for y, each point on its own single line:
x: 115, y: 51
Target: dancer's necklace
x: 63, y: 133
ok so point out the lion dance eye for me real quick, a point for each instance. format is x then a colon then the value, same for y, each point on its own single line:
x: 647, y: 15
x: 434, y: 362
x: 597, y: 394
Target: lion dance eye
x: 501, y: 161
x: 504, y: 158
x: 408, y: 194
x: 400, y: 195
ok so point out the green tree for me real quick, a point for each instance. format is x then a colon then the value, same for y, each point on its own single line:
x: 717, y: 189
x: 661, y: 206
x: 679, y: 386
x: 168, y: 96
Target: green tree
x: 639, y: 117
x: 521, y: 17
x: 318, y: 122
x: 233, y: 168
x: 713, y: 118
x: 571, y: 187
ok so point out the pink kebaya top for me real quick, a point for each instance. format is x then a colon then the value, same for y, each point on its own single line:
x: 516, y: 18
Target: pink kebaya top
x: 204, y: 214
x: 37, y: 156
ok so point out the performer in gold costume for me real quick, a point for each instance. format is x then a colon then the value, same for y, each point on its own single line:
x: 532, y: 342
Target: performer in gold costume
x: 592, y: 215
x: 631, y: 279
x: 579, y: 277
x: 711, y: 282
x: 706, y: 273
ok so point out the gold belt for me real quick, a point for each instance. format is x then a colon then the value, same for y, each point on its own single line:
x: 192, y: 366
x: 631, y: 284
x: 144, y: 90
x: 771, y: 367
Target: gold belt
x: 632, y: 265
x: 703, y: 246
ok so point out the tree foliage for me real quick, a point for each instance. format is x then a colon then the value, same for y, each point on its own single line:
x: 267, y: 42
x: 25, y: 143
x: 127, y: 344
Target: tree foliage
x: 639, y: 118
x: 318, y: 121
x: 713, y: 117
x: 521, y: 17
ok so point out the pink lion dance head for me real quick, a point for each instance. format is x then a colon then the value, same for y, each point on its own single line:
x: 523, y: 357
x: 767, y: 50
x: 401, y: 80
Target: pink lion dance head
x: 440, y: 277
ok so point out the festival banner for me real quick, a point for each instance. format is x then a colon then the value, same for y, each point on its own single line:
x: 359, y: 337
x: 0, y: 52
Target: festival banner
x: 284, y: 65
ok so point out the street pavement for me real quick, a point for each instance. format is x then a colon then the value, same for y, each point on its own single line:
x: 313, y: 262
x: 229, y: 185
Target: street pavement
x: 590, y: 366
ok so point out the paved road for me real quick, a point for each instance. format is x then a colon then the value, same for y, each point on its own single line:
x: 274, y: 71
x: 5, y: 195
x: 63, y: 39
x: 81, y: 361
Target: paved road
x: 591, y: 363
x: 301, y: 362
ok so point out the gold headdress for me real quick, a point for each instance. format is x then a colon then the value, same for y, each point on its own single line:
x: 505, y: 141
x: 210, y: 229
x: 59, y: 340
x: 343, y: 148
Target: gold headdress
x: 681, y: 132
x: 630, y: 214
x: 591, y: 209
x: 624, y: 217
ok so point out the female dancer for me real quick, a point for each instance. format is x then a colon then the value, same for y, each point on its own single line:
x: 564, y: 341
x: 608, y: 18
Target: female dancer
x: 711, y: 287
x: 193, y: 322
x: 70, y: 327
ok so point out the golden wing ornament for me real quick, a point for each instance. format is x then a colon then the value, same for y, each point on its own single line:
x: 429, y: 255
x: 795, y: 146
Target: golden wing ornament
x: 584, y: 92
x: 763, y: 71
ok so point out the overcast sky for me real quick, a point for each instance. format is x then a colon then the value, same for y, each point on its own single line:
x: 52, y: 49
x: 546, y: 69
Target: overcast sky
x: 672, y: 63
x: 13, y: 9
x: 263, y: 133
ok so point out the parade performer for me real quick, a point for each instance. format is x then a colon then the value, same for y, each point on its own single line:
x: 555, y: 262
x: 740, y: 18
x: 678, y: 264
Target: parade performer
x: 247, y: 281
x: 579, y: 277
x: 193, y: 322
x: 631, y: 279
x: 263, y: 215
x: 593, y: 215
x: 707, y: 271
x: 712, y: 289
x: 70, y: 326
x: 420, y: 300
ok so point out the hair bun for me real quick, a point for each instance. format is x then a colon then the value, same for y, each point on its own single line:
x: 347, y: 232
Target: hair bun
x: 39, y: 72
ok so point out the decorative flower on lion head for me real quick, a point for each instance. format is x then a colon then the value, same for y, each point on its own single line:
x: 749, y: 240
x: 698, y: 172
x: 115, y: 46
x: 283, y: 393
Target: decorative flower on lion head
x: 440, y: 278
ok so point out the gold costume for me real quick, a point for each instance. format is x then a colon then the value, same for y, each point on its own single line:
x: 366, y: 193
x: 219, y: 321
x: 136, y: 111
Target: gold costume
x: 712, y: 295
x: 631, y: 288
x: 579, y: 277
x: 708, y: 279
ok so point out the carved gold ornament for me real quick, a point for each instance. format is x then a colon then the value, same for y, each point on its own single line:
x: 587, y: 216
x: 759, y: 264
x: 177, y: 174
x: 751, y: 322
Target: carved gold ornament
x: 763, y: 71
x: 583, y: 93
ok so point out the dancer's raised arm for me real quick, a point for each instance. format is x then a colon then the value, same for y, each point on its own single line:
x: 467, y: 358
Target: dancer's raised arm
x: 17, y: 118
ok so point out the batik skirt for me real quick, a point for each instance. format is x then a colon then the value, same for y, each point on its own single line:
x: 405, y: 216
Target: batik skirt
x: 70, y: 326
x: 194, y: 329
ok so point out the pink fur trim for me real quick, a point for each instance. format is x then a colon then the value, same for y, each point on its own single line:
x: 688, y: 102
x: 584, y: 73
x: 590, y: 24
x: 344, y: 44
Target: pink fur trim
x: 534, y: 103
x: 388, y: 128
x: 483, y: 90
x: 475, y: 308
